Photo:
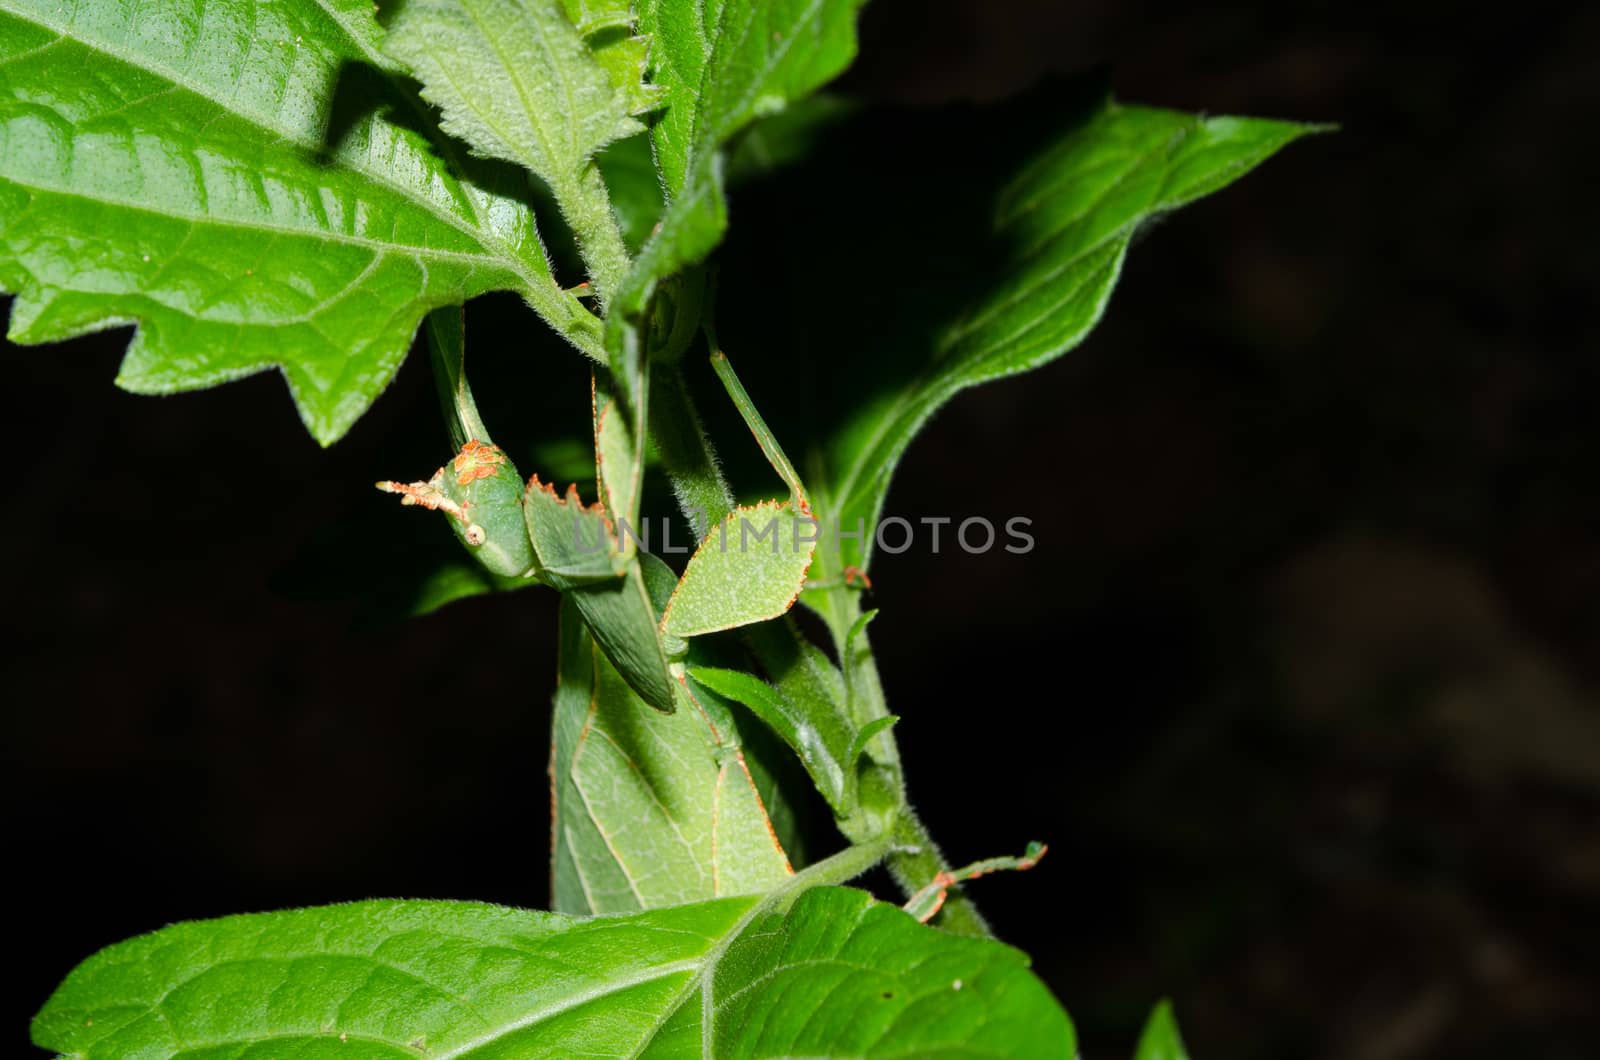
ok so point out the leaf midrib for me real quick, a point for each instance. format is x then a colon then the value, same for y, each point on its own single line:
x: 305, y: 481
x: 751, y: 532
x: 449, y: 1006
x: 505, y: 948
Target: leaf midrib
x: 277, y: 229
x: 612, y: 986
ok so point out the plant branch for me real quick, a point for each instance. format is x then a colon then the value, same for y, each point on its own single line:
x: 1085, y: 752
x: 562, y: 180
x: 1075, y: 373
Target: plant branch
x: 446, y: 334
x: 586, y: 205
x: 915, y: 859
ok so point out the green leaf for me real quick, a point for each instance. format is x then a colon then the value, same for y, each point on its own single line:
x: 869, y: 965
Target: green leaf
x: 770, y: 144
x: 722, y: 66
x: 650, y: 809
x: 812, y: 722
x: 1160, y: 1039
x: 750, y: 568
x: 842, y: 975
x: 607, y: 28
x: 515, y: 81
x: 1063, y: 225
x: 807, y: 705
x: 833, y: 975
x: 240, y: 181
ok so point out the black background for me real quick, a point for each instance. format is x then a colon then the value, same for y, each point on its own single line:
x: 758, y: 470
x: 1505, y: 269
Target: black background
x: 1300, y: 682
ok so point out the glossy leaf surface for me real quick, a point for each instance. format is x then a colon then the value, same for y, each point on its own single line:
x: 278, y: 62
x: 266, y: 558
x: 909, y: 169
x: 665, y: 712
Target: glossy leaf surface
x: 836, y: 975
x: 249, y: 185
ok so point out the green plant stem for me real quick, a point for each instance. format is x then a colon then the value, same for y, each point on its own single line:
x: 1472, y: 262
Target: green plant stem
x: 915, y: 858
x: 836, y: 869
x: 446, y: 334
x: 586, y: 205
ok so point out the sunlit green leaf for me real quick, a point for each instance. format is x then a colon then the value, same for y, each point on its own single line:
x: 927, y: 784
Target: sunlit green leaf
x: 834, y: 975
x: 516, y: 81
x: 243, y: 182
x: 607, y: 27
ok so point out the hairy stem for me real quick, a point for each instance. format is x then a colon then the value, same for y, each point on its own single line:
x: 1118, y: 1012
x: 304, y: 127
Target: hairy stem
x: 838, y: 868
x: 688, y: 297
x: 586, y: 205
x: 915, y: 859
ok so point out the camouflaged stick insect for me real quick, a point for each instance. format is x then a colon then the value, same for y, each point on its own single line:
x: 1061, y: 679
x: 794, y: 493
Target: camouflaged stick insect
x: 605, y: 850
x: 519, y: 530
x: 674, y: 807
x: 582, y: 551
x: 588, y: 554
x: 480, y: 490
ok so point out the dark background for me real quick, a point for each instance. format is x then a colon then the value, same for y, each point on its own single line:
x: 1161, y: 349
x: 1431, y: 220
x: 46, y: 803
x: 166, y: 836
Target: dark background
x: 1300, y: 682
